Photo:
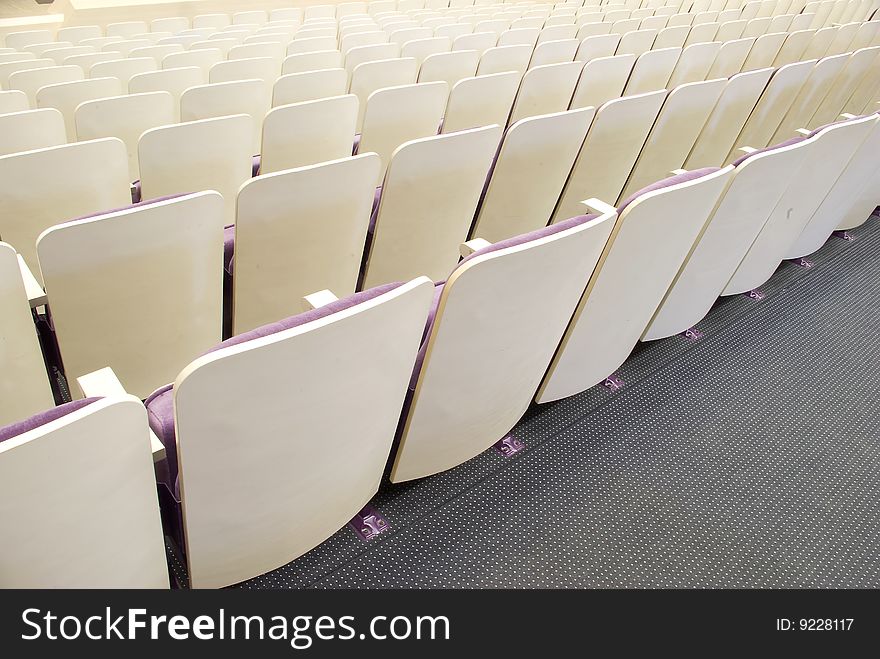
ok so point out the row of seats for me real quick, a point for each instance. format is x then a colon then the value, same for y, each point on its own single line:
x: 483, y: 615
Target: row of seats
x: 540, y: 312
x: 225, y: 421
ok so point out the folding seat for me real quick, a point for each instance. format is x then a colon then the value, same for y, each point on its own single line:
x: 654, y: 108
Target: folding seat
x: 266, y: 69
x: 801, y: 21
x: 531, y: 168
x: 127, y: 118
x: 784, y: 86
x: 172, y: 24
x: 8, y: 68
x: 654, y: 23
x: 684, y: 19
x: 314, y: 61
x: 250, y: 97
x: 594, y: 47
x: 210, y: 154
x: 526, y: 289
x: 546, y: 89
x: 319, y: 11
x: 505, y: 58
x: 61, y: 54
x: 123, y: 48
x: 311, y: 45
x: 65, y: 472
x: 842, y: 39
x: 284, y: 220
x: 652, y: 71
x: 158, y: 53
x: 750, y: 10
x: 809, y: 97
x: 306, y: 34
x: 275, y: 39
x: 694, y: 63
x: 781, y: 23
x: 25, y: 38
x: 379, y: 6
x: 453, y: 31
x: 554, y: 52
x: 100, y: 42
x: 555, y: 21
x: 167, y: 257
x: 16, y: 57
x: 682, y: 117
x: 275, y: 51
x: 866, y: 35
x: 202, y: 59
x: 735, y: 30
x: 601, y: 80
x: 860, y: 171
x: 369, y: 77
x: 403, y: 35
x: 727, y: 119
x: 24, y: 388
x: 519, y: 37
x: 793, y: 47
x: 123, y: 69
x: 309, y: 86
x: 671, y: 37
x: 656, y: 229
x: 497, y: 25
x: 481, y: 101
x: 449, y: 67
x: 254, y: 17
x: 38, y: 49
x: 756, y: 27
x: 362, y: 39
x: 216, y: 21
x: 820, y: 43
x: 865, y: 94
x: 702, y: 32
x: 65, y: 97
x: 31, y: 129
x: 374, y: 53
x: 823, y: 156
x: 310, y: 132
x: 367, y: 27
x: 13, y: 101
x: 419, y: 225
x: 479, y: 41
x: 127, y: 29
x: 373, y: 339
x: 615, y: 15
x: 420, y: 49
x: 31, y: 80
x: 636, y: 42
x: 765, y: 51
x: 86, y: 177
x: 609, y: 152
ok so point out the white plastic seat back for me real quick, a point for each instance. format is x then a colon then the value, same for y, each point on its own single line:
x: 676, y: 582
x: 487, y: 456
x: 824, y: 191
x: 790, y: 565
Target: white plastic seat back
x: 727, y: 119
x: 651, y: 71
x: 13, y: 101
x: 172, y: 81
x: 514, y: 301
x: 66, y: 97
x: 651, y: 239
x: 609, y: 152
x: 368, y: 77
x: 298, y: 231
x: 310, y: 132
x: 362, y: 358
x: 694, y: 64
x: 62, y: 482
x: 203, y: 59
x: 449, y: 67
x: 31, y: 81
x: 546, y: 89
x: 793, y: 47
x: 309, y: 86
x: 123, y: 275
x: 846, y: 82
x: 730, y: 58
x: 123, y: 69
x: 211, y: 154
x: 261, y: 68
x: 530, y: 171
x: 126, y: 117
x: 602, y: 80
x: 8, y: 68
x: 395, y: 115
x: 321, y: 59
x: 428, y: 202
x: 250, y: 97
x: 86, y: 177
x: 682, y: 117
x: 481, y: 101
x: 505, y: 58
x: 24, y: 388
x: 31, y: 129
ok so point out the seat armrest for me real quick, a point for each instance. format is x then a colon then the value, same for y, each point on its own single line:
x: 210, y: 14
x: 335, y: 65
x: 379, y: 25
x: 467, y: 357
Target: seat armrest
x: 36, y: 294
x: 471, y: 246
x: 319, y: 299
x: 598, y: 206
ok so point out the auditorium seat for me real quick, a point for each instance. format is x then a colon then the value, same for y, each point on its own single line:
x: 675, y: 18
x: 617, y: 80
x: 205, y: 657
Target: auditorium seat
x: 602, y: 79
x: 449, y: 67
x: 286, y: 474
x: 13, y: 101
x: 173, y: 81
x: 371, y: 76
x: 480, y: 101
x: 66, y: 97
x: 546, y: 89
x: 311, y: 61
x: 531, y: 168
x: 31, y: 129
x: 428, y: 201
x: 514, y: 297
x: 123, y: 69
x: 250, y: 97
x: 501, y: 59
x: 651, y: 71
x: 79, y: 507
x: 655, y: 231
x: 809, y: 97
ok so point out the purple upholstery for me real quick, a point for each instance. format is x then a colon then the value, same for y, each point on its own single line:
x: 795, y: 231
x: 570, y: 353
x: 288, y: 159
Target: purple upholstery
x: 160, y: 404
x: 256, y: 163
x: 432, y: 316
x: 41, y: 419
x: 228, y: 247
x: 356, y: 145
x: 666, y: 183
x: 140, y: 204
x: 532, y: 235
x: 794, y: 140
x: 136, y: 192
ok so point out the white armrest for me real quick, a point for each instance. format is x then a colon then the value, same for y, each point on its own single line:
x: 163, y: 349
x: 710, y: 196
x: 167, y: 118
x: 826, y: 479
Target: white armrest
x: 848, y: 115
x: 105, y: 383
x: 677, y: 172
x: 36, y: 294
x: 803, y: 131
x: 747, y: 149
x: 471, y: 246
x: 319, y: 299
x: 598, y: 206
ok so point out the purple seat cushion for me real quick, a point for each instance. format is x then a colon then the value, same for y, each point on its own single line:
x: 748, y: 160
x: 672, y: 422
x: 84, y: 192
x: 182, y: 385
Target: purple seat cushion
x: 41, y: 419
x: 256, y: 163
x: 160, y: 404
x: 432, y: 316
x: 666, y: 183
x: 794, y: 140
x: 228, y: 247
x: 356, y: 145
x: 140, y: 204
